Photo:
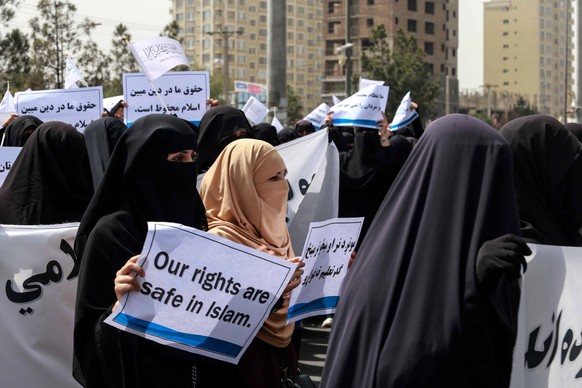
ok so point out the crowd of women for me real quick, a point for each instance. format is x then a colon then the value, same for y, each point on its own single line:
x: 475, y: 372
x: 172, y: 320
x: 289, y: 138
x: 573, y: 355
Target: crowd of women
x: 432, y: 295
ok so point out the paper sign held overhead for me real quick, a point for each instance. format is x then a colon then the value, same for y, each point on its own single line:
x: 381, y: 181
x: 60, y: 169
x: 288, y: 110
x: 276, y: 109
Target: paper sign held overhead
x: 255, y: 111
x: 317, y: 116
x: 404, y: 115
x: 362, y: 109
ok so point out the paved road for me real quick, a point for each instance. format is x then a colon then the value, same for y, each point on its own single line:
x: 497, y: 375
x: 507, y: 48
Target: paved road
x: 313, y: 348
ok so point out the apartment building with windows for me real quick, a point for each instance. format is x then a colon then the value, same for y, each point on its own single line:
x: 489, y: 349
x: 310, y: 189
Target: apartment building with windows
x: 247, y: 52
x: 434, y: 24
x: 527, y: 51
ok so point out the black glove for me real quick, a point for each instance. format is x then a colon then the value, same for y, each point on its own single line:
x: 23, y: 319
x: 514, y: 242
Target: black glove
x: 504, y: 254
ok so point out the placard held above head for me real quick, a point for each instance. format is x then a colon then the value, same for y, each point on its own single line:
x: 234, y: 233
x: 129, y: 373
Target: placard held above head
x: 362, y: 109
x: 317, y: 116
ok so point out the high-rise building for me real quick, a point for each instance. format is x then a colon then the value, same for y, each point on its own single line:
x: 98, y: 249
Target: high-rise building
x: 528, y: 51
x: 434, y: 24
x: 247, y: 52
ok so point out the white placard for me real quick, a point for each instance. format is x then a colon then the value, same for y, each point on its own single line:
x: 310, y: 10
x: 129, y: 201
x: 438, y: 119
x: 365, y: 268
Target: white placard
x: 363, y: 109
x: 317, y: 116
x: 185, y: 93
x: 201, y: 293
x: 78, y: 107
x: 404, y: 115
x: 255, y: 111
x: 277, y: 124
x: 7, y: 157
x: 364, y: 83
x: 326, y: 254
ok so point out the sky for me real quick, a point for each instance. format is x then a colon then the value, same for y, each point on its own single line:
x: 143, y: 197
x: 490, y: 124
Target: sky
x: 147, y: 18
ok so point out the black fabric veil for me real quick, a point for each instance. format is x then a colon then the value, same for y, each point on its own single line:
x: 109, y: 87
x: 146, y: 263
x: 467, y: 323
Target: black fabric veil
x: 266, y: 132
x: 410, y: 313
x: 50, y: 181
x: 216, y: 132
x: 14, y: 133
x: 139, y: 185
x: 576, y: 129
x: 548, y: 168
x: 101, y: 136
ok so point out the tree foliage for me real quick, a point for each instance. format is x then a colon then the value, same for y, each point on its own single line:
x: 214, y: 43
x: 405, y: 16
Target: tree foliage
x: 55, y: 35
x: 7, y: 10
x: 294, y: 106
x: 404, y: 68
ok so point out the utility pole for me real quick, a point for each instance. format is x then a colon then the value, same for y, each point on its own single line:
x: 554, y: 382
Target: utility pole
x: 578, y: 62
x: 277, y: 58
x: 566, y: 78
x: 225, y: 33
x: 348, y: 52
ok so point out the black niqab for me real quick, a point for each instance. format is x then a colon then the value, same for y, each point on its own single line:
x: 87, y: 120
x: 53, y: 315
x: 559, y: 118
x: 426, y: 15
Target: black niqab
x: 548, y: 167
x: 576, y: 129
x: 216, y: 131
x: 266, y: 132
x: 50, y: 181
x: 101, y: 136
x: 15, y: 135
x: 410, y: 313
x: 139, y: 185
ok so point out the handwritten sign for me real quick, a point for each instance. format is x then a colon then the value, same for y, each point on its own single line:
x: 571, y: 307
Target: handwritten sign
x: 255, y: 110
x: 78, y: 107
x: 39, y: 281
x: 363, y: 109
x: 7, y: 157
x: 326, y: 254
x: 184, y: 92
x: 547, y: 352
x: 317, y: 116
x: 201, y: 293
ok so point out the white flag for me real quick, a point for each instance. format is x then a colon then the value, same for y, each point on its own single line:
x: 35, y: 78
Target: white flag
x: 277, y: 124
x: 73, y: 74
x: 7, y: 103
x: 335, y: 99
x: 404, y: 115
x: 157, y: 56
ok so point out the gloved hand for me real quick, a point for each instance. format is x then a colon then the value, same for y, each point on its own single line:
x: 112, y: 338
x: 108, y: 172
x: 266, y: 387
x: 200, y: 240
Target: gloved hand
x: 504, y: 254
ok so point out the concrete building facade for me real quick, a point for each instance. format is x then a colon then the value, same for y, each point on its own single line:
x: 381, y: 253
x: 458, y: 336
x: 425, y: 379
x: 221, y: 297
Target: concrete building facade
x: 528, y: 52
x: 434, y: 24
x: 247, y: 52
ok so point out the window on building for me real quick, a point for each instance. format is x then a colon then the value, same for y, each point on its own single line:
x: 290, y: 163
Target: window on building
x: 429, y: 7
x: 411, y: 25
x: 412, y: 5
x: 262, y: 61
x: 429, y: 28
x: 430, y: 68
x: 370, y: 2
x: 370, y: 22
x: 396, y: 20
x: 429, y: 48
x: 179, y: 17
x: 454, y: 72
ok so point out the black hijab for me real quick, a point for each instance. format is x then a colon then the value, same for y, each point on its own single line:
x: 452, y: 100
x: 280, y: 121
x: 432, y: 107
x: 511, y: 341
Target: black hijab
x: 366, y: 173
x: 139, y: 185
x: 286, y: 135
x: 548, y: 167
x: 576, y: 129
x: 266, y: 132
x: 410, y: 313
x: 50, y: 181
x: 101, y: 136
x: 15, y: 135
x: 216, y: 131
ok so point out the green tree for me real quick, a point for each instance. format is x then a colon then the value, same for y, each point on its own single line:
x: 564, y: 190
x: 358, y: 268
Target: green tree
x: 7, y: 10
x: 56, y: 35
x: 294, y: 106
x: 15, y: 62
x: 172, y: 30
x: 522, y: 108
x: 404, y: 68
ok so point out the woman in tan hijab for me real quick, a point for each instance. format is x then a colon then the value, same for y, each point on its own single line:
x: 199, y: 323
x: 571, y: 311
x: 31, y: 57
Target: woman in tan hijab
x: 245, y: 195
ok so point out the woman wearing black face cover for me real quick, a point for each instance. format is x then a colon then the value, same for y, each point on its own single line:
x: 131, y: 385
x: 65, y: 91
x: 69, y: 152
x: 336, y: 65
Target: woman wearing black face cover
x: 151, y: 177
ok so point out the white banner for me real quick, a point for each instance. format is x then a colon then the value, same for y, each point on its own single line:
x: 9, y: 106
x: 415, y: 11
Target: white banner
x: 255, y: 111
x: 317, y: 116
x: 326, y: 254
x: 363, y: 109
x: 549, y: 343
x: 7, y: 157
x: 201, y: 293
x: 184, y: 92
x: 158, y: 55
x: 39, y: 270
x: 78, y: 107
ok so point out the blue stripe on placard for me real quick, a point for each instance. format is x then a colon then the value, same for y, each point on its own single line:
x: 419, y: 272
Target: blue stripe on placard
x: 199, y: 341
x: 404, y: 123
x: 357, y: 123
x: 317, y: 304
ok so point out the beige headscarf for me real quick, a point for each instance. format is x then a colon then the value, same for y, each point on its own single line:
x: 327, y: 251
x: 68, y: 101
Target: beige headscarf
x: 244, y: 205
